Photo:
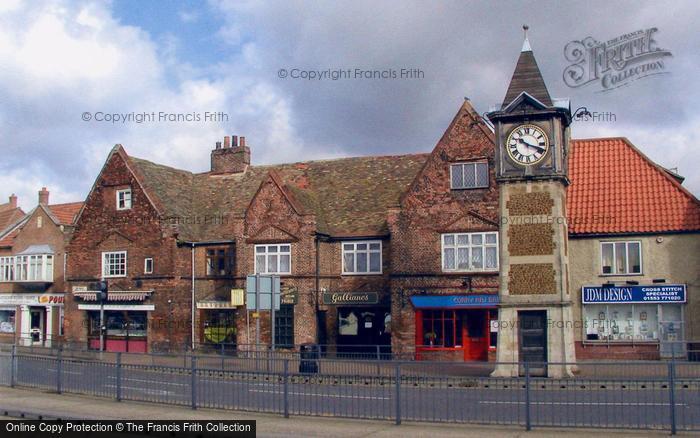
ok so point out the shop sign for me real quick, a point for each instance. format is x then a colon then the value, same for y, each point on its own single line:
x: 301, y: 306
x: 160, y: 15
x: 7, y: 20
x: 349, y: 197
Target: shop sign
x: 20, y: 299
x: 289, y: 296
x: 214, y: 305
x: 454, y: 301
x: 666, y: 293
x: 237, y: 297
x: 349, y: 298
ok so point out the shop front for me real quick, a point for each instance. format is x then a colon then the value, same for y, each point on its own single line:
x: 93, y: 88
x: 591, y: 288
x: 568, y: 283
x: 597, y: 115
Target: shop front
x: 32, y: 319
x: 455, y: 327
x: 218, y: 324
x: 364, y: 324
x: 641, y: 315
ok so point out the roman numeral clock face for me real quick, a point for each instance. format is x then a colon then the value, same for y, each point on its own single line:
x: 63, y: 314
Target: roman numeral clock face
x: 527, y: 144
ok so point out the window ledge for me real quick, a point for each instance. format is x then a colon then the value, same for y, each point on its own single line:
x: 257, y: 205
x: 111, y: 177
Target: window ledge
x: 358, y: 274
x: 640, y: 274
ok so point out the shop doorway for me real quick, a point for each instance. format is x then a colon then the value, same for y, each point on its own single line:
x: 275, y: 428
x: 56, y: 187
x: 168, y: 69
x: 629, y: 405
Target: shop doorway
x: 533, y: 341
x: 37, y: 325
x: 475, y: 334
x: 362, y: 329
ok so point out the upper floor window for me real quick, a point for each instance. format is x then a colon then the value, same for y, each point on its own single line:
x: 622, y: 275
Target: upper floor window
x: 273, y: 259
x: 114, y: 264
x: 469, y: 175
x: 362, y: 257
x: 470, y: 252
x: 148, y: 265
x: 219, y: 262
x: 621, y: 258
x: 124, y: 199
x: 37, y: 267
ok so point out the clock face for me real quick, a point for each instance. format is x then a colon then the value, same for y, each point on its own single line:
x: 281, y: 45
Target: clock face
x: 527, y: 144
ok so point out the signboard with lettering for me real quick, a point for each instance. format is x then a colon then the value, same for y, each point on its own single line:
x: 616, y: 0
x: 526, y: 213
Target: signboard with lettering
x: 21, y: 299
x: 454, y: 301
x: 349, y: 298
x: 661, y: 293
x: 289, y: 295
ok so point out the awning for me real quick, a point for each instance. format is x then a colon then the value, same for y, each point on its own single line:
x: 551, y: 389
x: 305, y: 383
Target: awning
x: 455, y: 301
x: 36, y: 249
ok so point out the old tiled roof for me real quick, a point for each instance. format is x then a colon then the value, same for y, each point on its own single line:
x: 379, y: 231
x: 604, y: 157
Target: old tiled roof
x: 527, y: 78
x: 9, y: 216
x: 9, y: 239
x: 614, y: 189
x: 65, y: 213
x: 617, y: 189
x: 349, y: 196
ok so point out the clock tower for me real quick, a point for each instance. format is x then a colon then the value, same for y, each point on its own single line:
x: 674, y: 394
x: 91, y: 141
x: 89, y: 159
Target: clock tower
x: 532, y: 149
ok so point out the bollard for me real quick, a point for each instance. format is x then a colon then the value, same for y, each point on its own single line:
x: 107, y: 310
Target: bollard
x: 119, y: 377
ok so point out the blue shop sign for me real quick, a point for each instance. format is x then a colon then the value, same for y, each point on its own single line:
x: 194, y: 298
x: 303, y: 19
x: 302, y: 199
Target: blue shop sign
x: 662, y: 293
x: 454, y: 301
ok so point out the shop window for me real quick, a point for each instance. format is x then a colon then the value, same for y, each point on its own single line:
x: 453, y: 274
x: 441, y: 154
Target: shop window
x: 220, y: 327
x: 273, y: 259
x: 124, y: 199
x: 284, y: 326
x: 470, y: 252
x: 362, y: 257
x: 114, y: 264
x: 441, y: 328
x: 493, y: 328
x: 119, y: 324
x: 631, y: 322
x: 7, y: 321
x: 469, y: 175
x: 621, y: 258
x: 220, y: 262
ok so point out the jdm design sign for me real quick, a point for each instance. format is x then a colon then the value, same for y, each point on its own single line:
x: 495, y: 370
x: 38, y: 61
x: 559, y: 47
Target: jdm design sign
x: 666, y: 293
x: 348, y: 298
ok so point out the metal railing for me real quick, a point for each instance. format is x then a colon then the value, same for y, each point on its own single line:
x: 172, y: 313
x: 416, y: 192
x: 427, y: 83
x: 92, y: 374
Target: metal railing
x: 663, y: 395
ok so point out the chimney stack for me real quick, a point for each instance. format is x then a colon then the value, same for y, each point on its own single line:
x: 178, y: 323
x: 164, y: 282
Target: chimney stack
x: 13, y: 201
x: 218, y: 145
x: 234, y: 157
x: 43, y: 196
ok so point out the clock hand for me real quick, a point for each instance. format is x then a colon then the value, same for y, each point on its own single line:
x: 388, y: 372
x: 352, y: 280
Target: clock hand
x: 530, y: 145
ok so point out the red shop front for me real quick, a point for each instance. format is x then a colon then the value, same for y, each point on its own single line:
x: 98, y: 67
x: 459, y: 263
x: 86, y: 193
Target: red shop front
x: 455, y: 327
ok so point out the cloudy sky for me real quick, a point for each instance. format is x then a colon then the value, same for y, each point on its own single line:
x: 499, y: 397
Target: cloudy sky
x: 60, y: 59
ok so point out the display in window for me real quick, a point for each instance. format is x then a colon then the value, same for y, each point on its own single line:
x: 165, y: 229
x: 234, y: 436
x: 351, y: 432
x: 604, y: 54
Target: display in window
x: 348, y: 325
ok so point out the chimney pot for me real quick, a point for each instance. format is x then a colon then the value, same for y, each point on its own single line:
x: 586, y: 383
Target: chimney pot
x: 234, y: 142
x: 218, y: 145
x: 227, y: 142
x: 242, y: 141
x: 43, y: 196
x: 13, y: 200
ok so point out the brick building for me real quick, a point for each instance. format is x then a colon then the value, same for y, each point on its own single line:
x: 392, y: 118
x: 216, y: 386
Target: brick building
x: 403, y: 251
x: 32, y: 272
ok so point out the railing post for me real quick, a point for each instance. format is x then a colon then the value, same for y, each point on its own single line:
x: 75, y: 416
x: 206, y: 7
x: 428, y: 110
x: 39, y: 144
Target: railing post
x: 379, y: 357
x: 286, y: 388
x: 13, y: 365
x: 59, y: 366
x: 194, y: 381
x: 528, y: 420
x: 398, y: 393
x: 672, y: 394
x: 119, y: 376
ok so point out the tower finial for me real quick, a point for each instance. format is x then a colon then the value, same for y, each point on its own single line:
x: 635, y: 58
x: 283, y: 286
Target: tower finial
x: 526, y: 43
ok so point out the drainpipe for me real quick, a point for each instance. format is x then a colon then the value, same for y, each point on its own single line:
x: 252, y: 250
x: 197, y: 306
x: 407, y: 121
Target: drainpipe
x: 318, y: 284
x: 192, y: 304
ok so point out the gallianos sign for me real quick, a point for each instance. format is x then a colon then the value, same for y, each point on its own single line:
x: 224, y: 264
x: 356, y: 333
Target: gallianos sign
x: 667, y: 293
x: 335, y: 298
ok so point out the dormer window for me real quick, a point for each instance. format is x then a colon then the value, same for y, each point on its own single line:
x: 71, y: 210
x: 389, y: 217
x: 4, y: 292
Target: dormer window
x: 469, y: 175
x: 124, y: 199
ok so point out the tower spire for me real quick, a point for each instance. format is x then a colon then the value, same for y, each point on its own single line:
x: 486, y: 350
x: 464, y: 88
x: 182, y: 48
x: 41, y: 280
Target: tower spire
x: 526, y: 42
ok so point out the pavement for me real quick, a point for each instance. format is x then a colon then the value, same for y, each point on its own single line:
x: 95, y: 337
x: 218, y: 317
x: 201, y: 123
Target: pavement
x: 32, y: 404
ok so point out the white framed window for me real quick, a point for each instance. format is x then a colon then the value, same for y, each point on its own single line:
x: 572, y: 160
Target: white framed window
x: 466, y: 252
x: 124, y: 199
x: 362, y: 257
x: 114, y: 264
x: 27, y: 268
x: 148, y: 265
x: 7, y: 269
x: 273, y: 259
x: 621, y: 258
x: 469, y: 175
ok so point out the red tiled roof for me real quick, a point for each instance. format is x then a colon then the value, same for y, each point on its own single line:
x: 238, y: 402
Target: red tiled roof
x: 10, y: 216
x: 9, y: 239
x: 65, y: 213
x: 615, y: 188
